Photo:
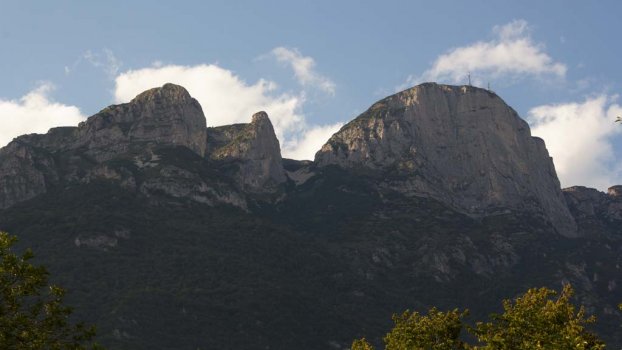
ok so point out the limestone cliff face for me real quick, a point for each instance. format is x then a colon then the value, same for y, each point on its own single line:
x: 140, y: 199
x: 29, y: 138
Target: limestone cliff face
x: 32, y: 164
x: 458, y: 144
x: 162, y: 116
x: 24, y: 173
x: 253, y: 148
x: 462, y: 146
x: 589, y: 204
x: 120, y: 143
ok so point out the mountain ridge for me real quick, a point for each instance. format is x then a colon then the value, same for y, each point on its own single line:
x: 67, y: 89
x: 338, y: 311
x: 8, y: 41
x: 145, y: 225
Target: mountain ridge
x: 241, y: 248
x: 417, y: 141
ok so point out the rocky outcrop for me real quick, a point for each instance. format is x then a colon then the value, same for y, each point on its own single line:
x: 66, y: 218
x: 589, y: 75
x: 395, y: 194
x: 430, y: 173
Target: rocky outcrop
x: 160, y: 116
x: 25, y: 173
x: 167, y: 116
x: 299, y: 171
x: 590, y: 205
x: 615, y: 191
x: 164, y: 116
x: 252, y: 149
x: 459, y: 144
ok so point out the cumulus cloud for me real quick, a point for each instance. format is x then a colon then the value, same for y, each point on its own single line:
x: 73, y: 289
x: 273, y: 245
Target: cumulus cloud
x: 227, y: 99
x: 512, y: 54
x: 579, y: 138
x: 309, y: 141
x: 35, y: 112
x: 304, y: 69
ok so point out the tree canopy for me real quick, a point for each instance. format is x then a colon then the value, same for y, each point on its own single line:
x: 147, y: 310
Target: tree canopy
x: 539, y: 319
x: 32, y: 314
x: 437, y: 331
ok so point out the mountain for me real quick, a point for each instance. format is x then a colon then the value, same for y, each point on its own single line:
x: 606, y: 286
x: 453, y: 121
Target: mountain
x: 169, y: 234
x: 461, y: 145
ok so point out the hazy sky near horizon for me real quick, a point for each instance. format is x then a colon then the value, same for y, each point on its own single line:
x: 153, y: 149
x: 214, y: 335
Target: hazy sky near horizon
x: 316, y: 65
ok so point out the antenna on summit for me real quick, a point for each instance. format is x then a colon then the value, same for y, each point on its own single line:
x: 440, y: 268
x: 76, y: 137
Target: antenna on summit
x: 469, y: 75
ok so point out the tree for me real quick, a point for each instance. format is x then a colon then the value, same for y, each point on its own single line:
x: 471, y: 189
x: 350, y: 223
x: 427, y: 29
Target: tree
x: 412, y: 331
x: 32, y: 314
x: 436, y: 331
x: 539, y: 319
x: 619, y: 120
x: 361, y: 344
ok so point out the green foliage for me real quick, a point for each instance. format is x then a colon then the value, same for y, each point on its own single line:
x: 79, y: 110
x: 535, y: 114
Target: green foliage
x: 540, y: 319
x: 436, y: 331
x: 361, y: 344
x: 32, y: 315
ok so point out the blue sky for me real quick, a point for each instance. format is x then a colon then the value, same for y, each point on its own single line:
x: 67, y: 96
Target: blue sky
x: 314, y: 65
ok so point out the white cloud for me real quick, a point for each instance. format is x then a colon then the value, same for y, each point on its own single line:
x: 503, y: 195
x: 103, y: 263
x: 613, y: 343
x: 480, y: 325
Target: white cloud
x: 224, y: 97
x: 227, y: 99
x: 35, y: 113
x: 510, y: 54
x: 579, y: 138
x: 309, y: 142
x: 304, y: 69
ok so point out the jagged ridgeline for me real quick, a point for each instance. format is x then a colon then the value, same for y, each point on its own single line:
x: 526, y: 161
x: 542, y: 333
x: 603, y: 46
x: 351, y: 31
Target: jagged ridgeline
x: 172, y: 235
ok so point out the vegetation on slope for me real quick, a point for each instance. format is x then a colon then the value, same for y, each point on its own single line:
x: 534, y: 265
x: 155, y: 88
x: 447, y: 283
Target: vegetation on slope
x: 32, y: 313
x: 328, y: 264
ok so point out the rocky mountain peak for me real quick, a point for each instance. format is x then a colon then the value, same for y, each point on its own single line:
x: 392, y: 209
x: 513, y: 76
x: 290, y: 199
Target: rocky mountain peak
x: 161, y: 116
x: 461, y: 145
x: 254, y: 148
x: 164, y: 116
x: 261, y: 117
x: 167, y: 93
x: 615, y: 191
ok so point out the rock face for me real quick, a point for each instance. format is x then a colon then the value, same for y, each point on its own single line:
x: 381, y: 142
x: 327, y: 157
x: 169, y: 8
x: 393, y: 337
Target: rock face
x: 254, y: 148
x: 162, y: 116
x: 461, y: 145
x: 589, y: 204
x: 119, y: 144
x: 24, y: 173
x: 32, y: 164
x: 615, y: 191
